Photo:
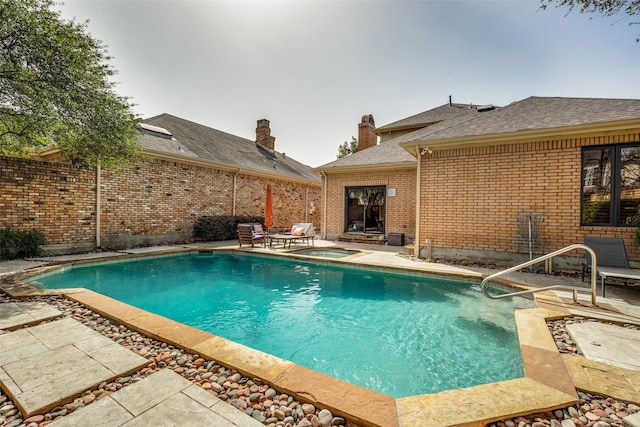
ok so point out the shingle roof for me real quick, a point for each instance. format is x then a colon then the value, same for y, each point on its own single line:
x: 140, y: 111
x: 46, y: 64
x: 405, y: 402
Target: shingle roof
x: 534, y: 113
x: 389, y: 152
x: 458, y: 121
x: 438, y: 114
x: 195, y: 140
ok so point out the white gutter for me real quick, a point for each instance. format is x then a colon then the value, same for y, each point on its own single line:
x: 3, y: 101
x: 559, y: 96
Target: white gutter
x: 235, y: 187
x: 306, y: 204
x: 367, y: 168
x: 416, y: 240
x: 324, y: 203
x: 98, y: 207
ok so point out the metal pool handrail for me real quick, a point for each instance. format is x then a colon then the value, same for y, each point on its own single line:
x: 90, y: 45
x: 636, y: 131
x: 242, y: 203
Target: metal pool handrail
x: 546, y: 288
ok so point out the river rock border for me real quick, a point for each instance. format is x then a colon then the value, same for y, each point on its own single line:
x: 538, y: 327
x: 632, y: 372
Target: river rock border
x: 249, y: 395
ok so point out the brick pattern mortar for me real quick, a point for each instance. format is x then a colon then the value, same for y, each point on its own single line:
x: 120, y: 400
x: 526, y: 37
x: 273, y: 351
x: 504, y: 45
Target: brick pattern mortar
x: 400, y: 209
x: 470, y: 197
x: 55, y: 198
x: 153, y: 197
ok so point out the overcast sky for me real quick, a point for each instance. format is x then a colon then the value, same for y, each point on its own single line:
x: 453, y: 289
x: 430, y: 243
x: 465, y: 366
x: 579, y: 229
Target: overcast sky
x: 314, y: 68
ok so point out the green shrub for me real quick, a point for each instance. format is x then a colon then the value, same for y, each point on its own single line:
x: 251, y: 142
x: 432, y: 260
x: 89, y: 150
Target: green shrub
x: 20, y: 243
x: 223, y: 227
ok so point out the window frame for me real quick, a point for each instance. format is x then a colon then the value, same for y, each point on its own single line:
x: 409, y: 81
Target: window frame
x: 348, y: 189
x: 615, y: 203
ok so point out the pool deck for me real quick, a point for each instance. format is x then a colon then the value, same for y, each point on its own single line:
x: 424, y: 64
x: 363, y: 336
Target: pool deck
x: 610, y: 366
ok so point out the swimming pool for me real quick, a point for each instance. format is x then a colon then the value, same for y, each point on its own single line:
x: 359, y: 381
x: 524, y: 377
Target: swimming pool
x: 398, y: 334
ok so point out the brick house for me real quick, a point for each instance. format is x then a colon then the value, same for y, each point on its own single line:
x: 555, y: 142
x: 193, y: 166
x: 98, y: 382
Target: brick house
x: 187, y: 170
x: 372, y: 193
x: 572, y: 165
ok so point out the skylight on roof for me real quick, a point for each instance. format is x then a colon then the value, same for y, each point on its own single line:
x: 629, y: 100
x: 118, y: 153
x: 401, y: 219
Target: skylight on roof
x: 481, y: 108
x: 156, y: 130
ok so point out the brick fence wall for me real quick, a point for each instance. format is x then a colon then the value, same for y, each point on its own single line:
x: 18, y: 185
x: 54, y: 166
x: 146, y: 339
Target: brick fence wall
x: 153, y: 201
x: 161, y: 198
x: 55, y: 198
x: 399, y: 209
x: 470, y: 197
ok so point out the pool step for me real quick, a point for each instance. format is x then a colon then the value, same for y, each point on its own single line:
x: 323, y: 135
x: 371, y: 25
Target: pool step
x: 359, y: 237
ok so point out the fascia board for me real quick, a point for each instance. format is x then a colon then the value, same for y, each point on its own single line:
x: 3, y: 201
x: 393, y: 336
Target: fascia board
x: 367, y: 168
x: 526, y: 136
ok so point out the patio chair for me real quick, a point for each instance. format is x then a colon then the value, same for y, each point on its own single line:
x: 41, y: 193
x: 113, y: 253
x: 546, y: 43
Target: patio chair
x: 611, y: 260
x: 303, y: 230
x: 299, y: 231
x: 246, y: 234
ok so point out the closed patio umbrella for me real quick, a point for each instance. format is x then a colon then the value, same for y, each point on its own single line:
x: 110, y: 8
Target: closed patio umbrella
x: 268, y: 208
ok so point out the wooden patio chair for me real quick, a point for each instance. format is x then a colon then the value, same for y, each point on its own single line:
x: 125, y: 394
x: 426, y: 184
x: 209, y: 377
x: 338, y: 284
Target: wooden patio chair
x: 247, y: 235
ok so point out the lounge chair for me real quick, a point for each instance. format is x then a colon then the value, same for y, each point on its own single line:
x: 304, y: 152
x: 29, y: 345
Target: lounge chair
x: 299, y: 231
x: 611, y: 260
x: 247, y: 234
x: 307, y: 229
x: 303, y: 230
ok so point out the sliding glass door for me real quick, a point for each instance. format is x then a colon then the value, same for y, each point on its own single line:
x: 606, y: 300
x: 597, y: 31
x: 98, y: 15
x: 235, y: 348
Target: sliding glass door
x: 365, y: 209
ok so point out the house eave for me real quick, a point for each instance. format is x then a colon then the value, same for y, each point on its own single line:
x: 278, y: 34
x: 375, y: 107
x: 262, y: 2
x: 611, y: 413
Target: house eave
x: 366, y: 168
x: 161, y: 155
x: 194, y: 161
x: 525, y: 136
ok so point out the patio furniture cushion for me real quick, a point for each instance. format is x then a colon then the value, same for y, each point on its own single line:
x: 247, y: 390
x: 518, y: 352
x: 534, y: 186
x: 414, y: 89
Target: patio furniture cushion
x: 257, y: 229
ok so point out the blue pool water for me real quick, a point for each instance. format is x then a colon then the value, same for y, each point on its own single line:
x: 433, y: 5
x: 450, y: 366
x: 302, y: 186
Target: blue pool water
x: 398, y: 334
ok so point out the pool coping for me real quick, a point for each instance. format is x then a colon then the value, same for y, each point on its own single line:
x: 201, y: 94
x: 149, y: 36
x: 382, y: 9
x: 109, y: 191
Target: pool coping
x: 546, y: 385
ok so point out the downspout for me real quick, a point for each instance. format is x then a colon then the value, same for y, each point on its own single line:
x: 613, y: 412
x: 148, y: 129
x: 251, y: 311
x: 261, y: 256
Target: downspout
x: 235, y: 185
x: 324, y: 204
x: 416, y: 240
x: 98, y: 219
x: 306, y: 204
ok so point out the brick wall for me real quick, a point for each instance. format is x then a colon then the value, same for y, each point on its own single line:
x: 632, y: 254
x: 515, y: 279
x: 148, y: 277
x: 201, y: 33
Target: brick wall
x: 291, y: 202
x: 147, y: 202
x: 470, y: 197
x: 54, y: 198
x: 161, y: 197
x: 400, y: 209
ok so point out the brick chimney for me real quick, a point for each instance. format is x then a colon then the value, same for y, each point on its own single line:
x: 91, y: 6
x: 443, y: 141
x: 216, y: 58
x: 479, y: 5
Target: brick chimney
x: 263, y: 134
x: 366, y: 133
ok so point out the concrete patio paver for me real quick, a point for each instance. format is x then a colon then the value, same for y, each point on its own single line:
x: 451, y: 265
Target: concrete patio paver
x: 10, y: 267
x: 45, y: 365
x: 162, y: 398
x: 16, y: 314
x: 607, y: 343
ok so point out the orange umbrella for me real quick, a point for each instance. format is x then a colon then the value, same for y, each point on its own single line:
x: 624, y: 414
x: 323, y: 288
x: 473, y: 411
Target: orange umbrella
x: 268, y: 208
